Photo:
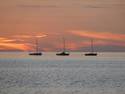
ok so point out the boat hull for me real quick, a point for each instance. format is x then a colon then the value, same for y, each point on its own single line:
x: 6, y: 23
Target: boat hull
x: 36, y: 54
x: 91, y: 54
x: 63, y: 54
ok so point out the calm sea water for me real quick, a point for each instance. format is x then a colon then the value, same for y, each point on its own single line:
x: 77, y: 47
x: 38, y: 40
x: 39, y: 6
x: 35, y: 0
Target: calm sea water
x: 51, y: 74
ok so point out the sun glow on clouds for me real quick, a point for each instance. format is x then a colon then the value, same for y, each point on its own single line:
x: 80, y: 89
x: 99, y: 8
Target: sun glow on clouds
x: 26, y: 42
x: 40, y: 36
x: 18, y: 42
x: 6, y: 40
x: 10, y: 44
x: 76, y: 46
x: 101, y: 39
x: 31, y: 36
x: 14, y: 46
x: 99, y: 35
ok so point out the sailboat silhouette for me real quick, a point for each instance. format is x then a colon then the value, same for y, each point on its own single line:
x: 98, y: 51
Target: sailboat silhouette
x: 92, y: 53
x: 63, y: 53
x: 37, y: 52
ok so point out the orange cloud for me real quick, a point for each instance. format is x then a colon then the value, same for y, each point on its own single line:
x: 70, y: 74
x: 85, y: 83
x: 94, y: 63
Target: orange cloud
x: 14, y: 46
x: 40, y: 36
x: 99, y: 35
x: 6, y: 40
x: 22, y: 36
x: 30, y: 36
x: 8, y: 44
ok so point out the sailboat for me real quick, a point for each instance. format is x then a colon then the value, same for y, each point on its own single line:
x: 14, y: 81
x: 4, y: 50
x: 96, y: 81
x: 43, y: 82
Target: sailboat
x: 37, y: 53
x: 92, y: 53
x: 63, y: 53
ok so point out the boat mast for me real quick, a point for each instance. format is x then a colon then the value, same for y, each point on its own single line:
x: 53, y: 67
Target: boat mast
x: 92, y: 48
x: 64, y: 49
x: 37, y: 49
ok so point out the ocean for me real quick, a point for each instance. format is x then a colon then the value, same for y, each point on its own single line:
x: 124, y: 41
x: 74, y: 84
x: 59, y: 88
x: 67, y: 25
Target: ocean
x: 51, y: 74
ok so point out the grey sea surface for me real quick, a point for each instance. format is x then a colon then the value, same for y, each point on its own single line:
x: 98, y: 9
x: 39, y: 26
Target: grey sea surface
x: 51, y: 74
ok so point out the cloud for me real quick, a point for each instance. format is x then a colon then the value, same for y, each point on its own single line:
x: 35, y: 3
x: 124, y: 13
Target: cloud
x: 30, y: 36
x: 95, y: 6
x: 22, y: 36
x: 19, y: 42
x: 10, y: 44
x: 5, y: 40
x: 37, y: 6
x: 40, y: 36
x: 61, y: 6
x: 14, y: 46
x: 73, y: 4
x: 99, y: 35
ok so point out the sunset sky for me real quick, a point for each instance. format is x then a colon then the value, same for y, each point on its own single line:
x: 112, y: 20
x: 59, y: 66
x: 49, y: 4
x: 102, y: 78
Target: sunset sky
x: 79, y: 21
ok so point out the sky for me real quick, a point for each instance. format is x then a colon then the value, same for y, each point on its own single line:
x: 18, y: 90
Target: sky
x: 79, y: 21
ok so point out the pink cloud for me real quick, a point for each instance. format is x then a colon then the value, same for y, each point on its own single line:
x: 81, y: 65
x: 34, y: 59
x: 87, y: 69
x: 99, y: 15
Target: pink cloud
x: 99, y: 35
